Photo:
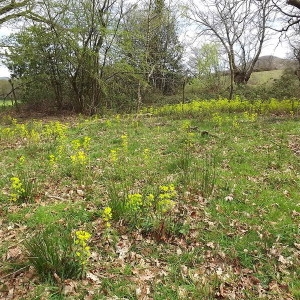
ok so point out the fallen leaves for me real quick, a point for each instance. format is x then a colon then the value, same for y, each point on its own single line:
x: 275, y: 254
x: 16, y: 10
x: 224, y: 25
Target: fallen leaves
x: 13, y: 253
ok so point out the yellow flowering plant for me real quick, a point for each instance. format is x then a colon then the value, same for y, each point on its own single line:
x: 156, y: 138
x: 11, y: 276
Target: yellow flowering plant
x: 79, y: 163
x: 143, y: 208
x: 52, y: 160
x: 107, y: 216
x: 17, y: 189
x: 165, y: 202
x: 146, y: 154
x: 81, y: 248
x: 134, y: 202
x: 124, y: 141
x: 113, y: 156
x: 55, y: 130
x: 21, y: 187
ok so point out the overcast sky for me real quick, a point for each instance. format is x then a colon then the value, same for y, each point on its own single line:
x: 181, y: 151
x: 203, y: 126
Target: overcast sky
x: 3, y: 70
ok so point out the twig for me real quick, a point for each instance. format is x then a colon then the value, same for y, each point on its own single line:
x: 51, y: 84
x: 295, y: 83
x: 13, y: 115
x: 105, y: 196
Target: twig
x: 14, y: 273
x: 55, y: 197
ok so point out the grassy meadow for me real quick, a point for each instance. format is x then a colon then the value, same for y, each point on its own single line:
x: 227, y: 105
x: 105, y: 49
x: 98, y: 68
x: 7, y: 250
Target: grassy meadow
x: 189, y: 201
x: 264, y: 77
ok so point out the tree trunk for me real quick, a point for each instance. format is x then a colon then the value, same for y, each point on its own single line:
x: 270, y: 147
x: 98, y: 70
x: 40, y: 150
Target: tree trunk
x: 241, y: 77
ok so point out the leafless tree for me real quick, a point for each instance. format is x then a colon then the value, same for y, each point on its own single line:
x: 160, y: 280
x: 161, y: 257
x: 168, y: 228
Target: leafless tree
x: 241, y: 28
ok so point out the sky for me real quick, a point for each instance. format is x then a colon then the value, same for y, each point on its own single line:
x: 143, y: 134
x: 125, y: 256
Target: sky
x: 276, y: 49
x: 4, y: 31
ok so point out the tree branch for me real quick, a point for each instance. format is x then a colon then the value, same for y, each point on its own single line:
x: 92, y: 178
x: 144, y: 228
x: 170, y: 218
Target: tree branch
x: 13, y: 5
x: 13, y: 10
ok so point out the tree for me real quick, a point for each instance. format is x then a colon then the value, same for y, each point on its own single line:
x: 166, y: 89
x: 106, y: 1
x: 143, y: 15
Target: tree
x: 240, y: 26
x: 294, y: 43
x: 205, y: 65
x: 71, y: 50
x: 85, y: 55
x: 151, y: 44
x: 37, y: 59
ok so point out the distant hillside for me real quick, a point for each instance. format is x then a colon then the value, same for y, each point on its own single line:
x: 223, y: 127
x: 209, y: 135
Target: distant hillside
x: 270, y: 62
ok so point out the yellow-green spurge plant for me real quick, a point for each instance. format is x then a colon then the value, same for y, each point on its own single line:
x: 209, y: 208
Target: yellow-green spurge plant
x: 209, y: 107
x: 21, y: 186
x: 141, y: 208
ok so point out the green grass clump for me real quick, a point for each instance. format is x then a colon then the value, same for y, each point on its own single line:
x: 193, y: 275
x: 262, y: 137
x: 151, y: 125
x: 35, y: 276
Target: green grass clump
x: 57, y: 255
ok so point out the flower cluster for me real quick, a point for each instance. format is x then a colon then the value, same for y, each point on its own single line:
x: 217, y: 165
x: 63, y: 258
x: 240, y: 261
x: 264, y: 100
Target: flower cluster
x: 107, y: 216
x: 186, y: 124
x: 113, y: 156
x: 17, y: 189
x: 124, y: 143
x: 149, y: 199
x: 165, y: 202
x: 34, y: 136
x: 209, y: 107
x: 162, y: 203
x: 34, y: 131
x: 55, y: 130
x: 21, y: 160
x: 134, y: 202
x: 83, y: 145
x: 251, y: 117
x: 76, y: 144
x: 167, y: 191
x: 86, y: 143
x: 217, y: 119
x: 79, y: 158
x: 52, y: 160
x: 82, y: 250
x: 146, y: 154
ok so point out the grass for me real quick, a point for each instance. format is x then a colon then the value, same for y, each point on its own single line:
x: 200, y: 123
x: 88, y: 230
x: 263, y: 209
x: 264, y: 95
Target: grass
x: 265, y: 77
x: 229, y: 229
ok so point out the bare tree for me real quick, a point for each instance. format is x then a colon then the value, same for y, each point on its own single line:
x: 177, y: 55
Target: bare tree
x: 241, y: 28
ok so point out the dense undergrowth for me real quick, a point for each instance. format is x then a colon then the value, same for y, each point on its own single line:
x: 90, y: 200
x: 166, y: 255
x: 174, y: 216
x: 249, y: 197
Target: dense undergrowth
x: 190, y: 201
